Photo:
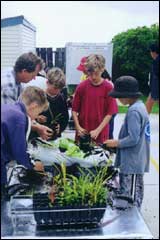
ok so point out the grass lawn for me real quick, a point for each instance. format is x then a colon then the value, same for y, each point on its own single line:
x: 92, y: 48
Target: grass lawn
x: 122, y: 109
x: 155, y: 109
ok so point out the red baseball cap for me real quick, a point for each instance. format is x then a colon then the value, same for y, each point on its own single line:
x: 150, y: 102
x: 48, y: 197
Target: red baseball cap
x: 81, y: 66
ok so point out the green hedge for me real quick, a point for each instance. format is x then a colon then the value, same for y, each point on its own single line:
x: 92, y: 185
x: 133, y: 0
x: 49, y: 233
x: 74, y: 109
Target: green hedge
x: 155, y: 109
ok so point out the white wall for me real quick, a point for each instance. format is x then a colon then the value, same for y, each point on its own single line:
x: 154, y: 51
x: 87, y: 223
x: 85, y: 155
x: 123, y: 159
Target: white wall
x: 16, y: 40
x: 28, y: 39
x: 74, y: 53
x: 10, y: 45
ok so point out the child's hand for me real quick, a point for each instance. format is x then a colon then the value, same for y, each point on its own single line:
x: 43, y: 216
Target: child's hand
x: 94, y: 134
x: 57, y: 128
x: 81, y: 131
x: 44, y: 132
x: 111, y: 143
x: 41, y: 119
x: 39, y: 166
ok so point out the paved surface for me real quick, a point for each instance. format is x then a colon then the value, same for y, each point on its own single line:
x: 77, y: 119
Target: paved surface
x: 150, y: 207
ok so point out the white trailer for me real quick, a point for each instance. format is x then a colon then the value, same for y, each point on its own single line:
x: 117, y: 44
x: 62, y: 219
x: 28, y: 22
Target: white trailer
x: 74, y: 53
x: 17, y: 37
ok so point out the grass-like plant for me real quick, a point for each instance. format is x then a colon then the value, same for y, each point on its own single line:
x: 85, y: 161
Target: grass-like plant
x: 87, y: 190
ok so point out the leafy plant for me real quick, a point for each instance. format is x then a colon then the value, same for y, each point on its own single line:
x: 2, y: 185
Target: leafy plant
x: 71, y: 148
x: 56, y: 118
x: 87, y: 190
x: 66, y: 143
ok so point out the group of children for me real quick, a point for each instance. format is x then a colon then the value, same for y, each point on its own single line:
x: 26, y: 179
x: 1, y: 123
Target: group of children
x: 93, y: 106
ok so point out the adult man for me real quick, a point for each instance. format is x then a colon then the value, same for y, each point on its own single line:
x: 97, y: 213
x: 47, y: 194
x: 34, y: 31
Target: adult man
x: 154, y: 78
x: 26, y: 68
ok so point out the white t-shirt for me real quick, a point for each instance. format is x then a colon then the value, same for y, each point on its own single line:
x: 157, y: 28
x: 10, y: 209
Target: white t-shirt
x: 37, y: 82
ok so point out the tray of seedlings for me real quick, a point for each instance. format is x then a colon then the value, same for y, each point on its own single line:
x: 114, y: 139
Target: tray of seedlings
x: 72, y: 200
x: 64, y: 199
x: 75, y: 187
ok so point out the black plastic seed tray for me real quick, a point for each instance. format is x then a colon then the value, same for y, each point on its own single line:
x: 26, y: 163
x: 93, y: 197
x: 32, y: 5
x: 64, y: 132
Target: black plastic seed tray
x: 46, y: 215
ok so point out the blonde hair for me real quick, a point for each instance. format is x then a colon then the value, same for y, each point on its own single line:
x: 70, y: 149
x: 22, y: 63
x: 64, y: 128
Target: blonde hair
x: 34, y: 94
x: 56, y: 77
x: 95, y: 63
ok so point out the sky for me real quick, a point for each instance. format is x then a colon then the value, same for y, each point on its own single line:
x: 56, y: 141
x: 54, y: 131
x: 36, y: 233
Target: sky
x: 59, y: 22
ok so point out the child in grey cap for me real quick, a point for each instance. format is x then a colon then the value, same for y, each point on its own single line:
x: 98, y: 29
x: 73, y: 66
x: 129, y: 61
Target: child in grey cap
x: 133, y: 144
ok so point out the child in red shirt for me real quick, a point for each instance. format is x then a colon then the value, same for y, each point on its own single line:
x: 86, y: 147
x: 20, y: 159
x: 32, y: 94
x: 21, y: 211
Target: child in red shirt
x: 92, y: 107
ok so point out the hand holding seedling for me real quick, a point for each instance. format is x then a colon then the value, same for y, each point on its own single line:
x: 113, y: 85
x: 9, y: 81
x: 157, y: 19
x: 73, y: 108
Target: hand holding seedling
x: 81, y: 131
x: 45, y: 132
x: 111, y: 143
x: 94, y: 134
x: 57, y: 128
x: 39, y: 166
x: 41, y: 119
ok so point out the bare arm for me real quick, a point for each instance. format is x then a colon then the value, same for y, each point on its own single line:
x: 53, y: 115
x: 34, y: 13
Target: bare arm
x: 81, y: 131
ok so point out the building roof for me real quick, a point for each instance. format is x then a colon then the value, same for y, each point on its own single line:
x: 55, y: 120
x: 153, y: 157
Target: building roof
x: 13, y: 21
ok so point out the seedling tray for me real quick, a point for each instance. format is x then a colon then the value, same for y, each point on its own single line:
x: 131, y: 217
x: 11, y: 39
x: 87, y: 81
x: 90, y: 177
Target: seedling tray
x: 46, y: 215
x: 23, y: 208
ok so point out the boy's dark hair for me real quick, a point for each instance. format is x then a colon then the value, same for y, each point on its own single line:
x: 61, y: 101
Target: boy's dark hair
x: 27, y: 61
x: 154, y: 47
x: 105, y: 75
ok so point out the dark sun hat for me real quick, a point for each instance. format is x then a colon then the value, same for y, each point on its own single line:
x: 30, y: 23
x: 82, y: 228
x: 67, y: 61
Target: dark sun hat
x: 125, y: 87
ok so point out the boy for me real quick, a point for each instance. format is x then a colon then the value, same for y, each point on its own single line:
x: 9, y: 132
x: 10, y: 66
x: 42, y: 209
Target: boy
x: 57, y: 110
x: 105, y: 75
x: 133, y: 145
x: 14, y: 123
x: 92, y: 107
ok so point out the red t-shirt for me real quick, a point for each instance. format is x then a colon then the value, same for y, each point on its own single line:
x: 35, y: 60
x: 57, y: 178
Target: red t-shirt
x: 93, y: 104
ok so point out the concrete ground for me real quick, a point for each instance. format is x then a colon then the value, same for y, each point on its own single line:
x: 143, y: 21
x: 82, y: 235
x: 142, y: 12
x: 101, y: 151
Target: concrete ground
x: 150, y: 207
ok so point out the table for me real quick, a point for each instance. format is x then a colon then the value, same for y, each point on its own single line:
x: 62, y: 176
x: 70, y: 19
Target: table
x: 128, y: 224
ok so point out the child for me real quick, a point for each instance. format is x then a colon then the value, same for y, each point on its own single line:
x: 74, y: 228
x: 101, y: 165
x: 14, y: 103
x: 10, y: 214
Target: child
x: 14, y: 124
x: 105, y: 75
x: 133, y: 145
x: 81, y: 67
x: 57, y: 111
x: 92, y: 107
